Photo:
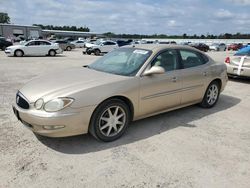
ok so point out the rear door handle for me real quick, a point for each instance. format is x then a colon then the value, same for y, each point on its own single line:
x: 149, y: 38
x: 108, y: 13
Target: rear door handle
x: 204, y: 73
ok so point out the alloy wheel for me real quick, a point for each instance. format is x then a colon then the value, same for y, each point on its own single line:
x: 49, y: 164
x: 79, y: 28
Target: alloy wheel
x: 212, y: 94
x: 112, y: 121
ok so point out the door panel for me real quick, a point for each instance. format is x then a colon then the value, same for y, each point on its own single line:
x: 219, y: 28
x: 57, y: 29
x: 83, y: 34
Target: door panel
x: 159, y: 92
x: 194, y: 80
x: 194, y: 74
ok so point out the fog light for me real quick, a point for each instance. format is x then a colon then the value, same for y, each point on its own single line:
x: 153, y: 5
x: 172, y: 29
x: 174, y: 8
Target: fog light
x: 53, y: 127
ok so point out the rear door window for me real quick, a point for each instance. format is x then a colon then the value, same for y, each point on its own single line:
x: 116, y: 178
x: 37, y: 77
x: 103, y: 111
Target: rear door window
x: 191, y: 59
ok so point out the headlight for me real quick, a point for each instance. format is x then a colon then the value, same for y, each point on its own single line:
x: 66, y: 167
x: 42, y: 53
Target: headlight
x: 57, y: 104
x: 39, y: 104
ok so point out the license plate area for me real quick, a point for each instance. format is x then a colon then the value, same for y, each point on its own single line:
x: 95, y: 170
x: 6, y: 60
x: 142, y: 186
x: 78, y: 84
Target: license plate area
x: 235, y: 70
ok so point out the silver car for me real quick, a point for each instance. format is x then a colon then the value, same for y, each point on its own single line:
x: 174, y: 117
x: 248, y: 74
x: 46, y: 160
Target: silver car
x: 218, y: 47
x: 125, y: 85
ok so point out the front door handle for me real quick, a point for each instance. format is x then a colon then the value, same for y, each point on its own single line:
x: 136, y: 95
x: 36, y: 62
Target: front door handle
x: 204, y: 73
x: 174, y: 79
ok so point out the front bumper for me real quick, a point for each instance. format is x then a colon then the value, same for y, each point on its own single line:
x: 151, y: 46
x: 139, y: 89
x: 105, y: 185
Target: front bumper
x: 8, y: 52
x: 233, y: 70
x: 71, y: 121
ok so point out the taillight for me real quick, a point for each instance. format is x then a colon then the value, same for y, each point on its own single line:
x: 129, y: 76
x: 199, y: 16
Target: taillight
x: 227, y: 60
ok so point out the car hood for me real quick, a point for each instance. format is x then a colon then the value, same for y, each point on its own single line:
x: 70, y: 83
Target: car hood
x: 16, y: 46
x: 65, y: 83
x: 89, y: 45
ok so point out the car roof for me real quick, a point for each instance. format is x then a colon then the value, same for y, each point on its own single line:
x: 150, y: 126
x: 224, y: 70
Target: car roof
x: 159, y: 47
x: 39, y: 40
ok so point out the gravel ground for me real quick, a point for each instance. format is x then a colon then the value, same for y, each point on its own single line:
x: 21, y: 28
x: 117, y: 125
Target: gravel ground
x: 190, y: 147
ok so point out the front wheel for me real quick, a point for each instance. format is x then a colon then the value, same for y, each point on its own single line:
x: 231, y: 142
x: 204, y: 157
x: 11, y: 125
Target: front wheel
x: 211, y: 96
x: 110, y: 120
x: 19, y: 53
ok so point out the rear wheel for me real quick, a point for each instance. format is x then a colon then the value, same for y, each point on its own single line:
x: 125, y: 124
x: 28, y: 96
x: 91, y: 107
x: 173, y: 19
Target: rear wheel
x: 68, y: 48
x: 52, y: 53
x: 19, y: 53
x: 3, y: 48
x: 97, y: 52
x: 211, y: 96
x: 110, y: 120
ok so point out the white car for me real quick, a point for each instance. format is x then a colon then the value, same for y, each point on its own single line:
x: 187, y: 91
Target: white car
x: 101, y: 47
x: 34, y: 48
x: 78, y: 43
x: 218, y: 47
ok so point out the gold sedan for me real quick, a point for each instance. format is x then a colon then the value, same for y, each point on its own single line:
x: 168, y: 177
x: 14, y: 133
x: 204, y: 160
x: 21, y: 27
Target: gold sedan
x: 127, y: 84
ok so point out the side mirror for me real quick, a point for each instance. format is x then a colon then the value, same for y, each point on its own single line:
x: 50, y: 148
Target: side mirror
x: 154, y: 70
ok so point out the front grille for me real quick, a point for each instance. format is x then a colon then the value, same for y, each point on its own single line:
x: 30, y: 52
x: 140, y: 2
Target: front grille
x: 21, y: 101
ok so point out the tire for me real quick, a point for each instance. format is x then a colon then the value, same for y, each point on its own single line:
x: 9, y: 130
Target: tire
x: 211, y: 95
x: 110, y: 120
x: 19, y: 53
x: 3, y: 48
x: 97, y: 52
x: 52, y: 53
x: 88, y: 51
x: 68, y: 48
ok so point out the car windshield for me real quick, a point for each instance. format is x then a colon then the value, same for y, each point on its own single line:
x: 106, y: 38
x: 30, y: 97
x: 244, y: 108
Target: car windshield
x: 98, y: 42
x: 122, y: 61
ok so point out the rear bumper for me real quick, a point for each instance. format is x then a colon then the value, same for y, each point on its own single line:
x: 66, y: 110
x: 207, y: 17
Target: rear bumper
x: 59, y: 51
x: 233, y: 70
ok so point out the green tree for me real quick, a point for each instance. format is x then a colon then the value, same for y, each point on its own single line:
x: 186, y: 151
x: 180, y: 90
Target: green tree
x: 4, y: 18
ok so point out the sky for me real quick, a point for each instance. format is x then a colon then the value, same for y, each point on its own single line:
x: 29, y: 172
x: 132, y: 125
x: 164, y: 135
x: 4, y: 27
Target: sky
x: 169, y: 17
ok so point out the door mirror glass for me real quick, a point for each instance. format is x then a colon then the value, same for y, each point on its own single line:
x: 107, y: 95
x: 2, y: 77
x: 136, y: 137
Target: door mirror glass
x: 154, y: 70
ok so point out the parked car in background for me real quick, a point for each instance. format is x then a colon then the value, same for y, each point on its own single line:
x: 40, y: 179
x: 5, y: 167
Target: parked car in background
x: 200, y: 46
x: 218, y: 47
x: 167, y: 42
x: 65, y: 45
x: 4, y: 44
x: 235, y: 46
x: 90, y: 43
x: 248, y: 44
x: 34, y: 48
x: 78, y: 43
x: 239, y: 64
x: 127, y: 84
x: 101, y: 47
x: 69, y: 39
x: 124, y: 42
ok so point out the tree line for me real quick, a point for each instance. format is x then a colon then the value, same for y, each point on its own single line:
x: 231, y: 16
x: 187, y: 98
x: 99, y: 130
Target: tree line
x: 65, y: 28
x: 184, y: 36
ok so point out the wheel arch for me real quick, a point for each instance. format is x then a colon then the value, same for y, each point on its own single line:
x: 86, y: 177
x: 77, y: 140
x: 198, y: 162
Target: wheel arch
x: 126, y: 100
x: 218, y: 80
x: 51, y: 50
x: 18, y: 50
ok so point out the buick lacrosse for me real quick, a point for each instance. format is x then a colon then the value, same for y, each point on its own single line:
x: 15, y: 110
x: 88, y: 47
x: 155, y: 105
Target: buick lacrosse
x: 125, y: 85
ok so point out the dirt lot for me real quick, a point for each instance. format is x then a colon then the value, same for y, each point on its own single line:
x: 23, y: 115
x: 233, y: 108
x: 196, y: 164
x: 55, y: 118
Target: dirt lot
x: 190, y: 147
